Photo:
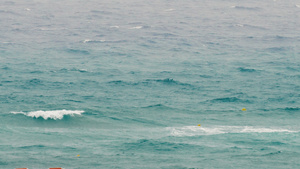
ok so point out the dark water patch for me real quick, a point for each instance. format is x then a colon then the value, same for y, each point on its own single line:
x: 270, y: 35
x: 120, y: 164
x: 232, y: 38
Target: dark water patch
x: 247, y: 8
x: 101, y: 12
x: 32, y: 146
x: 258, y: 142
x: 227, y: 100
x: 63, y: 70
x: 146, y: 122
x: 276, y: 143
x: 168, y: 81
x: 7, y: 81
x: 272, y: 153
x: 5, y: 12
x: 115, y: 118
x: 164, y: 35
x: 160, y: 107
x: 294, y: 69
x: 78, y: 51
x: 279, y: 38
x: 122, y: 83
x: 88, y: 97
x: 117, y: 82
x: 254, y: 27
x: 241, y: 69
x: 278, y: 49
x: 34, y: 82
x: 36, y: 72
x: 79, y: 70
x: 74, y: 101
x: 104, y: 41
x: 292, y: 109
x: 9, y: 3
x: 3, y: 162
x: 155, y: 105
x: 205, y: 76
x: 154, y: 145
x: 286, y: 109
x: 5, y: 68
x: 172, y: 166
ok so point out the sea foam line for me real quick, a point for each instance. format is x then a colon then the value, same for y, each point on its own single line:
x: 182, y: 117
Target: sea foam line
x: 196, y: 130
x: 52, y: 114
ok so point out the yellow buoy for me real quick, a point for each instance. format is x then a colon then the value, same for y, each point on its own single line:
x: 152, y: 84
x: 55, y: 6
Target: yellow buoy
x: 199, y: 125
x: 78, y: 155
x: 244, y: 109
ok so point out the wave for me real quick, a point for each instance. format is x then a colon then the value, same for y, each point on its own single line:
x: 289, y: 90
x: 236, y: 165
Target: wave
x: 52, y: 114
x: 197, y: 131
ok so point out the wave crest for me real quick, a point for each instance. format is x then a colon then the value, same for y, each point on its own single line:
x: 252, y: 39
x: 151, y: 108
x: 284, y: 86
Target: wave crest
x: 54, y: 114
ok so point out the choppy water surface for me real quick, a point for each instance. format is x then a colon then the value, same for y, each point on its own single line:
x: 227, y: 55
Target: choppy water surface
x: 124, y: 84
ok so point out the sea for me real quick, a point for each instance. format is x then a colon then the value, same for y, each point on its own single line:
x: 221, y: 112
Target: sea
x: 160, y: 84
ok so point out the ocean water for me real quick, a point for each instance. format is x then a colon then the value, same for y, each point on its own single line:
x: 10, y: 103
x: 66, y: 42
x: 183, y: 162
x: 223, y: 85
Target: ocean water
x: 124, y: 84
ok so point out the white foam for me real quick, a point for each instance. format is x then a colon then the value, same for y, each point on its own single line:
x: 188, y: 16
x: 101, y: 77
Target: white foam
x: 169, y: 10
x: 196, y: 130
x: 298, y: 5
x: 137, y: 27
x: 117, y: 27
x: 54, y: 114
x: 93, y: 41
x: 86, y: 40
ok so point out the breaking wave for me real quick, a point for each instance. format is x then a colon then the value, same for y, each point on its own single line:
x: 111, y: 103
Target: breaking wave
x: 53, y: 114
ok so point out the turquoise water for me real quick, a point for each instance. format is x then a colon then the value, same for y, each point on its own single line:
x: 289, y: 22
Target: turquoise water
x: 124, y: 84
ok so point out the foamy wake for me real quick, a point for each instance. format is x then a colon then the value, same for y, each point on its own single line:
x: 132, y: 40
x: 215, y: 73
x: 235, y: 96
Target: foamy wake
x: 54, y: 114
x: 196, y: 130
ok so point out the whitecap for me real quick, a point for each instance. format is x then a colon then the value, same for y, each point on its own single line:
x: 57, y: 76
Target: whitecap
x: 117, y: 27
x: 214, y: 130
x: 169, y: 10
x: 93, y: 41
x: 52, y: 114
x: 86, y: 40
x: 137, y: 27
x: 239, y: 25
